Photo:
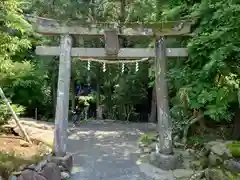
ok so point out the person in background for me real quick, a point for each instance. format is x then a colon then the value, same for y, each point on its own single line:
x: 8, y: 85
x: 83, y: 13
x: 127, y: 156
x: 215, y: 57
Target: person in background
x: 78, y: 106
x: 92, y: 103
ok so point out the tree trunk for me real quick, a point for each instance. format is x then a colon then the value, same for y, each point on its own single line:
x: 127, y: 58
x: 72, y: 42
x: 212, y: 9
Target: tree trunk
x: 236, y: 125
x: 153, y: 114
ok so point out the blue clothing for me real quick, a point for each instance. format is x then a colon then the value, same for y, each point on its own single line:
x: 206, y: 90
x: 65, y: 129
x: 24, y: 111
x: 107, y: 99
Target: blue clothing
x: 86, y: 91
x: 78, y: 90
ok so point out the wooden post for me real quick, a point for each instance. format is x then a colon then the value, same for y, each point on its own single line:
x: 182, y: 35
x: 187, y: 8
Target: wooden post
x: 2, y: 95
x: 36, y: 114
x: 61, y: 115
x: 164, y: 122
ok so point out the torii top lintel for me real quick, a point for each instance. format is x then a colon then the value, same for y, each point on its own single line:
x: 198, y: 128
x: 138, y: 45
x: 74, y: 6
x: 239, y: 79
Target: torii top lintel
x: 55, y: 27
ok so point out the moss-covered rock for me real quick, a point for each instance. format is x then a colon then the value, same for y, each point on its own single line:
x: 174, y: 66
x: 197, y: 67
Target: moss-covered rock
x: 232, y: 165
x: 215, y: 174
x: 214, y: 160
x: 234, y: 148
x: 220, y: 174
x: 199, y: 164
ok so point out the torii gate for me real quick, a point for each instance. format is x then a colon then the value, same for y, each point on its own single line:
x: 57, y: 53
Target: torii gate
x: 112, y: 51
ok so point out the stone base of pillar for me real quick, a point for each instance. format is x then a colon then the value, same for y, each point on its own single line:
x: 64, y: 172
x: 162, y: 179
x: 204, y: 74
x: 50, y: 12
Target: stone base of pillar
x: 166, y: 162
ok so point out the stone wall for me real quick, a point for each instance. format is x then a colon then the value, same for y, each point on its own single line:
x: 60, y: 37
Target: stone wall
x: 52, y: 168
x: 217, y: 160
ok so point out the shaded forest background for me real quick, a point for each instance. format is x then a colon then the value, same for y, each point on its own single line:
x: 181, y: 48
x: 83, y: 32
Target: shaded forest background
x: 203, y: 88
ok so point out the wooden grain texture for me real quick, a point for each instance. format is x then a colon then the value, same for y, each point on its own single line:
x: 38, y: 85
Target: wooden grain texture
x: 124, y: 53
x: 61, y: 115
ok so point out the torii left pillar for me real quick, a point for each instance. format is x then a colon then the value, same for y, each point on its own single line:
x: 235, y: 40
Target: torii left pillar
x: 61, y: 113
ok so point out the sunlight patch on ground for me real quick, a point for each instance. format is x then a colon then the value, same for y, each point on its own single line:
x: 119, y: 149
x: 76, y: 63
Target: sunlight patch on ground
x: 76, y: 170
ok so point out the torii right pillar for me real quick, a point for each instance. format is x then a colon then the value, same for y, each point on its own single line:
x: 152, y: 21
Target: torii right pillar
x: 164, y: 157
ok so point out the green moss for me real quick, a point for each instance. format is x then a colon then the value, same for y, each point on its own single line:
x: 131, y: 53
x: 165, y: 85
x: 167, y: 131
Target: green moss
x: 148, y: 138
x: 234, y: 148
x: 230, y: 175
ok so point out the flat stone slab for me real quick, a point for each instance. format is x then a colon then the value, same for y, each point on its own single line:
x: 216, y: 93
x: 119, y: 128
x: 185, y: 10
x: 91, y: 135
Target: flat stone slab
x: 107, y: 151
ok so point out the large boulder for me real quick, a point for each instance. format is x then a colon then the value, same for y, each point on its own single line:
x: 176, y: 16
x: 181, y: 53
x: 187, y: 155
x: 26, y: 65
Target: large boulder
x: 219, y: 148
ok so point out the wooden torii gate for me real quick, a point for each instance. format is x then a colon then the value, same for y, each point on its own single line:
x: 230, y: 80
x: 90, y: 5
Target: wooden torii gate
x: 112, y: 50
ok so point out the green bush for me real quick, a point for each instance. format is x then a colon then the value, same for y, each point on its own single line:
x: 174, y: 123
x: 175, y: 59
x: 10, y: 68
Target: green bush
x: 5, y: 113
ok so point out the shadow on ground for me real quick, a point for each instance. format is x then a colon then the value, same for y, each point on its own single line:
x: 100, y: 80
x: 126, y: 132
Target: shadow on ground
x: 106, y: 151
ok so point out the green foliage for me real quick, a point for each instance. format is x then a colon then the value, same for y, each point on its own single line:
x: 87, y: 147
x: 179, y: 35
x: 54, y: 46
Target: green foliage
x: 85, y: 100
x: 234, y: 148
x: 148, y: 138
x: 5, y: 113
x: 208, y: 80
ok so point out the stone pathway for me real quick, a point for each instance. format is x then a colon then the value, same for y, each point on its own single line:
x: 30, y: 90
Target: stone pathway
x: 106, y: 150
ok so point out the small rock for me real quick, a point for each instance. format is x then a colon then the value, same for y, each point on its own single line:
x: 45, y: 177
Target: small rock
x: 30, y: 175
x: 197, y: 165
x: 152, y: 146
x: 190, y: 151
x: 10, y: 178
x: 197, y: 175
x: 51, y: 172
x: 214, y: 160
x: 142, y: 145
x: 183, y: 173
x: 232, y: 165
x: 209, y: 144
x: 147, y: 150
x: 41, y: 165
x: 203, y: 154
x: 66, y: 162
x: 219, y: 149
x: 61, y: 168
x: 24, y: 143
x: 176, y: 138
x: 186, y: 164
x: 31, y: 167
x: 16, y: 173
x: 65, y: 175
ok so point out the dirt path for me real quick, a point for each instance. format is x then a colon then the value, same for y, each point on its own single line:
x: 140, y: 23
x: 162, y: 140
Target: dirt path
x: 106, y: 151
